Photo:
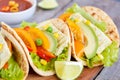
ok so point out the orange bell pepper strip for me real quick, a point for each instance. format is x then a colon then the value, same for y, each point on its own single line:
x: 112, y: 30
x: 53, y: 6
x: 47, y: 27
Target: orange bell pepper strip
x: 79, y: 48
x: 65, y: 16
x: 5, y: 66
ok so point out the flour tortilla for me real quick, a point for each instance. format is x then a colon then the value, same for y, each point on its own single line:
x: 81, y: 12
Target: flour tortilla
x: 100, y: 15
x: 59, y: 24
x: 5, y: 53
x: 111, y: 31
x: 17, y: 44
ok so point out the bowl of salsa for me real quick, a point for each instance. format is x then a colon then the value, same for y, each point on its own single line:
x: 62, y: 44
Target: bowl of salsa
x: 15, y: 11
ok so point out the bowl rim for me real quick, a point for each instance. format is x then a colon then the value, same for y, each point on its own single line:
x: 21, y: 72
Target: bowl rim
x: 33, y: 5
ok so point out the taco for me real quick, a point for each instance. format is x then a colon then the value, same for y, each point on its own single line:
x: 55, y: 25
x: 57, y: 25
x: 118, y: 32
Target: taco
x: 13, y: 62
x: 45, y: 43
x: 95, y: 36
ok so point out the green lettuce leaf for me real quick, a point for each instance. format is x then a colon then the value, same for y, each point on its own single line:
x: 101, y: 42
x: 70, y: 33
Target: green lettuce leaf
x: 110, y: 56
x: 94, y: 60
x: 30, y: 24
x: 63, y: 56
x: 50, y: 65
x: 76, y: 9
x: 13, y: 72
x: 36, y: 61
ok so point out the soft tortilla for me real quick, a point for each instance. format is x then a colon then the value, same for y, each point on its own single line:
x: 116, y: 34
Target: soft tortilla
x: 17, y: 44
x: 100, y: 15
x: 111, y: 31
x: 4, y: 52
x: 59, y: 24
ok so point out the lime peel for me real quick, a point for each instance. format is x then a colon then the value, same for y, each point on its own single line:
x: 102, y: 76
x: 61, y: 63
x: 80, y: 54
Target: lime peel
x: 48, y: 4
x: 68, y: 70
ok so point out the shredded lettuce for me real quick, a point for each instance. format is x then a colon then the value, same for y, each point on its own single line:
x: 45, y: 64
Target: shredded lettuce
x: 94, y: 60
x: 110, y: 55
x: 63, y: 55
x: 36, y: 61
x: 13, y: 72
x: 30, y: 24
x: 76, y: 9
x: 50, y: 65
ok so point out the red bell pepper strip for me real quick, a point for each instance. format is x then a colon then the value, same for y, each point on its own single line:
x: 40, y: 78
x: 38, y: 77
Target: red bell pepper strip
x: 43, y: 53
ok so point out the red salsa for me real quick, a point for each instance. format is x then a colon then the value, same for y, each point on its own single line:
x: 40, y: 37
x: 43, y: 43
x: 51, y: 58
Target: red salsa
x: 14, y: 5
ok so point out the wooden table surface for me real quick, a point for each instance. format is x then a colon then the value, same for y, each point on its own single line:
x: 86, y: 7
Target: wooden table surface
x: 111, y: 7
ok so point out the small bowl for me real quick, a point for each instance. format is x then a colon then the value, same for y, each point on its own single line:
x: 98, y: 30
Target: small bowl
x: 17, y: 17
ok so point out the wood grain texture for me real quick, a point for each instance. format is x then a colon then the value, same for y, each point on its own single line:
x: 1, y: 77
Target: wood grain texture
x: 87, y: 74
x: 90, y: 73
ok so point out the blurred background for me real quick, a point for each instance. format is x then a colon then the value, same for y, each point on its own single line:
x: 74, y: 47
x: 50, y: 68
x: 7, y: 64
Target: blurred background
x: 111, y: 7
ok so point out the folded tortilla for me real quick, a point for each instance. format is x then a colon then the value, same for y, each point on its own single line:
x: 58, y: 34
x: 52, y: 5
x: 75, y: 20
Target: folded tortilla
x: 5, y: 53
x: 20, y: 56
x: 100, y: 15
x: 111, y: 31
x: 62, y: 27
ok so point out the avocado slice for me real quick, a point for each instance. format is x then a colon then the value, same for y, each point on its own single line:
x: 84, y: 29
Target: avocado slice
x: 53, y: 41
x: 92, y: 40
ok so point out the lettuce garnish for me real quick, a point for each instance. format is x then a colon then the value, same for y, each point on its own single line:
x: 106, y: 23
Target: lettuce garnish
x: 30, y: 24
x: 13, y: 72
x: 76, y: 9
x: 110, y: 55
x: 50, y: 65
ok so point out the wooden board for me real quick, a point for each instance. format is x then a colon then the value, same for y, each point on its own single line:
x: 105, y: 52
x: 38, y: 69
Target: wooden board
x: 87, y: 74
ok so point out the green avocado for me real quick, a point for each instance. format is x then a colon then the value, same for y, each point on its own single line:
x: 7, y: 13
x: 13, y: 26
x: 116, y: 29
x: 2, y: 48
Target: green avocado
x: 92, y: 40
x: 53, y: 41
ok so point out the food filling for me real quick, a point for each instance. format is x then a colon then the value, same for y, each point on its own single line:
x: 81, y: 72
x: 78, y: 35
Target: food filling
x: 45, y: 43
x: 11, y: 70
x: 91, y: 44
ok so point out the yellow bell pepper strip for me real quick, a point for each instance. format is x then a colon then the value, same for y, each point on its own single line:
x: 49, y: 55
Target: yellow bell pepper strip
x: 1, y: 46
x: 27, y: 39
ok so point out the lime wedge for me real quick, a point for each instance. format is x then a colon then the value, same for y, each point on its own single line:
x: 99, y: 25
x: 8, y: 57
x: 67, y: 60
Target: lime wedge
x: 68, y: 70
x: 48, y: 4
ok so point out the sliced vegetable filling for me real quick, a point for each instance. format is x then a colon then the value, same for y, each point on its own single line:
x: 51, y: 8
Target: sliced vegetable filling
x: 104, y: 53
x: 50, y: 44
